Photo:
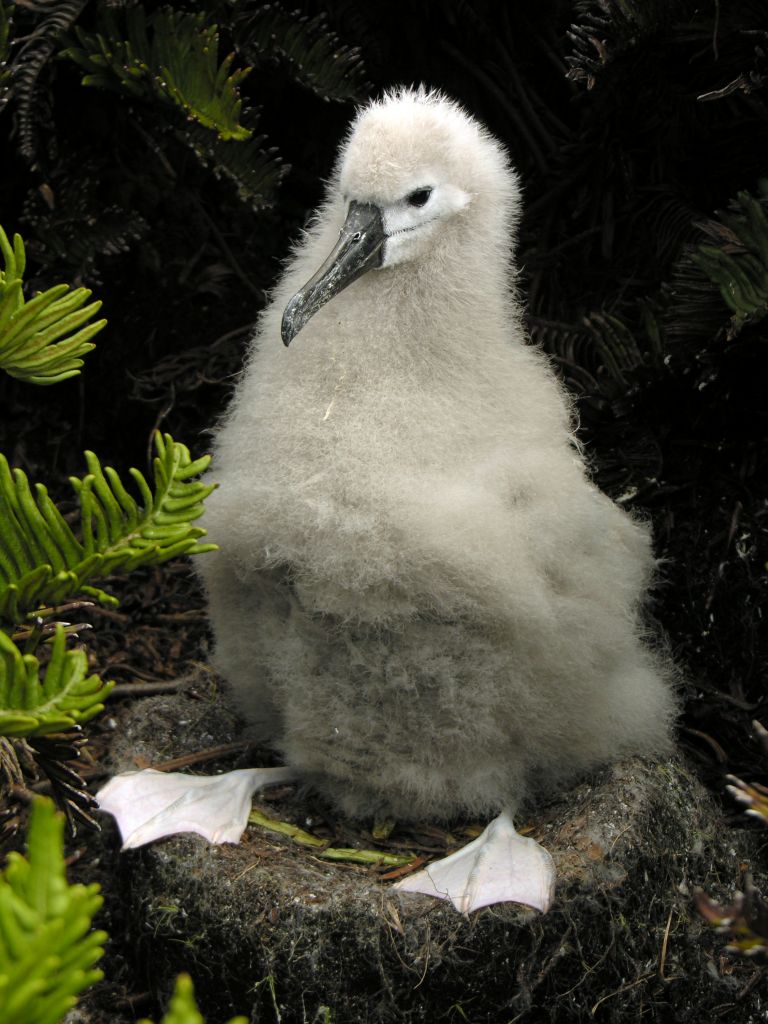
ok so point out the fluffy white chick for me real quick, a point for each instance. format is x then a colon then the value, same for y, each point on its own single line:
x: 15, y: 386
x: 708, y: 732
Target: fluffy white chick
x: 421, y: 600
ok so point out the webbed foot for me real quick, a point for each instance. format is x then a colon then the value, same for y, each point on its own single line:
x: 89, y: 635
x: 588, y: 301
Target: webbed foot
x: 499, y: 866
x: 148, y: 804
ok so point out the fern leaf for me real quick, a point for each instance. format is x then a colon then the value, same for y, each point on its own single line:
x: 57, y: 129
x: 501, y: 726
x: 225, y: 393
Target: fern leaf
x: 43, y: 562
x: 170, y: 54
x: 616, y: 345
x: 30, y: 60
x: 608, y: 28
x: 255, y: 171
x: 42, y: 341
x: 65, y: 696
x: 5, y: 38
x: 738, y: 261
x: 183, y: 1007
x: 5, y: 34
x: 186, y: 53
x: 47, y: 951
x: 81, y: 229
x: 313, y: 52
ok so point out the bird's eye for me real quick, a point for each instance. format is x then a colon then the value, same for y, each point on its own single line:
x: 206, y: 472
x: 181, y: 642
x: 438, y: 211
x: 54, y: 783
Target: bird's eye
x: 418, y: 197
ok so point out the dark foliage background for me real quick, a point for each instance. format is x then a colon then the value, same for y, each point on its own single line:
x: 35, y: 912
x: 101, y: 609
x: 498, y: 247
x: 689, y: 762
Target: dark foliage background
x: 633, y: 123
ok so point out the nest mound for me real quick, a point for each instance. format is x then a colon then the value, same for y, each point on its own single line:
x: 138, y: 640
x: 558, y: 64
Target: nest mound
x: 268, y: 929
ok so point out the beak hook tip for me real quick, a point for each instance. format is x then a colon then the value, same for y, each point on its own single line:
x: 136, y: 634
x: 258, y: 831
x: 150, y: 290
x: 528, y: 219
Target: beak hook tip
x: 288, y: 326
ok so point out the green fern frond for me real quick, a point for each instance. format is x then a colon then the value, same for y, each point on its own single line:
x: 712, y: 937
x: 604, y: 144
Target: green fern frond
x: 616, y: 345
x: 43, y: 562
x: 47, y: 950
x: 186, y: 51
x: 183, y: 1007
x: 171, y: 54
x: 5, y: 36
x: 738, y: 262
x: 608, y: 28
x: 79, y: 232
x: 5, y: 33
x: 314, y: 53
x: 42, y: 341
x: 31, y: 58
x: 65, y: 696
x: 254, y: 170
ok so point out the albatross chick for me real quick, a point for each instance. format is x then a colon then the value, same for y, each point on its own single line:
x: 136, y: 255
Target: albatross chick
x: 421, y: 600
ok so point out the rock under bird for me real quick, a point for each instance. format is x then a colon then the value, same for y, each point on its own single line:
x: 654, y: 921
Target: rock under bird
x: 421, y: 600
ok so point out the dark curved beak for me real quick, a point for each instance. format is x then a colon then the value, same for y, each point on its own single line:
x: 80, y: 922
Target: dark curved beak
x: 358, y: 250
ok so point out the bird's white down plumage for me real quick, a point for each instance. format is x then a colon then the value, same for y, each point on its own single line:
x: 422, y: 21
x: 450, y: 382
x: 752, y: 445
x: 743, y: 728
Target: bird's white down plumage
x: 421, y: 600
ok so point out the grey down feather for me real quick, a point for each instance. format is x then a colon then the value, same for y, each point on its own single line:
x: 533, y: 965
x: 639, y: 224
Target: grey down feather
x: 421, y: 601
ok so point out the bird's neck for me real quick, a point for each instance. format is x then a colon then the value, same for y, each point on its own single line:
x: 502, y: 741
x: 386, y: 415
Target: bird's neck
x: 423, y: 318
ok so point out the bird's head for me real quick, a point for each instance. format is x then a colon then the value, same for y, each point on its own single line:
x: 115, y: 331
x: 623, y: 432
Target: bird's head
x: 413, y: 166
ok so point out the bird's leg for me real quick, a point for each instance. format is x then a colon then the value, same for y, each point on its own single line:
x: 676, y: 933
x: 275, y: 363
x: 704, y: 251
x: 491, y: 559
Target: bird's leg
x: 150, y: 804
x: 499, y: 866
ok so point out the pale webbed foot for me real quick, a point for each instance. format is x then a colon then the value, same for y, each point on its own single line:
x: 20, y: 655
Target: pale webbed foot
x: 148, y: 805
x: 499, y: 866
